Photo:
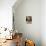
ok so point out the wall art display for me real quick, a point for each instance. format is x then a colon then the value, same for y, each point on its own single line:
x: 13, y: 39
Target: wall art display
x: 29, y: 19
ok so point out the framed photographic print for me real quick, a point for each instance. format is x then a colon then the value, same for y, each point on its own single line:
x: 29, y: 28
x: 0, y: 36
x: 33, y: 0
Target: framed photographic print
x: 29, y: 19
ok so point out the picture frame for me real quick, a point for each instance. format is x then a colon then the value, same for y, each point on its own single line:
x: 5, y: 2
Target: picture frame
x: 29, y: 19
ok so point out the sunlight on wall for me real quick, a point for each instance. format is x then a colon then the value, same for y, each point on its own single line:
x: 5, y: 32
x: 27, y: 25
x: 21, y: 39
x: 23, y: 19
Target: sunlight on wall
x: 6, y: 18
x: 6, y: 13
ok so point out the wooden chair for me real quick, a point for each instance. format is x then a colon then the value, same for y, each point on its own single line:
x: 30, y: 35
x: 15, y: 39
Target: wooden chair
x: 18, y: 37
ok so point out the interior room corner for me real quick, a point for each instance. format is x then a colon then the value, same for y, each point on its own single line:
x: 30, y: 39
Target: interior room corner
x: 22, y: 22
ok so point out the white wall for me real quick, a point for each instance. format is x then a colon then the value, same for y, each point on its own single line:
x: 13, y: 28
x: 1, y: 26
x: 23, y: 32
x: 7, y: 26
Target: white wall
x: 6, y: 13
x: 43, y: 22
x: 29, y: 8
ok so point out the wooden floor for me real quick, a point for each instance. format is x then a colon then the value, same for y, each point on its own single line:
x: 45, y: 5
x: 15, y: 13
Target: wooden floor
x: 9, y: 43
